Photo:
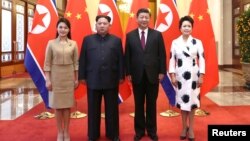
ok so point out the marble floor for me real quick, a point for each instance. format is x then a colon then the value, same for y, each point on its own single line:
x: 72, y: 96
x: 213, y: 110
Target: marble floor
x: 18, y: 94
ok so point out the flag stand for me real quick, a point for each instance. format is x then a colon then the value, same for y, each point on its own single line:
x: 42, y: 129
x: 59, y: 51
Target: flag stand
x: 200, y: 112
x: 44, y: 115
x: 169, y: 113
x: 77, y: 114
x: 133, y: 114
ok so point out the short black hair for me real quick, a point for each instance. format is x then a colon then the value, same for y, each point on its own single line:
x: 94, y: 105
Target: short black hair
x: 102, y: 16
x: 143, y: 10
x: 67, y: 22
x: 186, y: 18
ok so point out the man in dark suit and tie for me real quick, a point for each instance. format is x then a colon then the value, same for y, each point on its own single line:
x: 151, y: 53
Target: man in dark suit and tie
x: 145, y: 66
x: 101, y: 68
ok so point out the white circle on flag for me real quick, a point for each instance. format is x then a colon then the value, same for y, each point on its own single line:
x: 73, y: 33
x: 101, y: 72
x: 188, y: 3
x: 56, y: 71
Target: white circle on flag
x: 40, y: 9
x: 104, y: 9
x: 169, y: 18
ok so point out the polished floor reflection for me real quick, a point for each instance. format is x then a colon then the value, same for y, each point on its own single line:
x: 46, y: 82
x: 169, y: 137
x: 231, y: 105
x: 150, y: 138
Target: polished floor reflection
x: 231, y: 90
x: 18, y: 94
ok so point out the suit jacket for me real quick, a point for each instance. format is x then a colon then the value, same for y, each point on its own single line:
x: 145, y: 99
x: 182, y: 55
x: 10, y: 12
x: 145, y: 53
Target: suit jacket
x: 101, y: 61
x: 152, y: 59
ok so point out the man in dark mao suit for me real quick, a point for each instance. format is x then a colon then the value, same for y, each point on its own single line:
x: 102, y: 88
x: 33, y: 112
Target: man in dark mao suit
x: 101, y: 68
x: 145, y: 66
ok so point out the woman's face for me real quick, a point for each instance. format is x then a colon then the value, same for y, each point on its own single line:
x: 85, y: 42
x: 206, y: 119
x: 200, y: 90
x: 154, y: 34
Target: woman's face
x: 62, y: 29
x: 186, y: 28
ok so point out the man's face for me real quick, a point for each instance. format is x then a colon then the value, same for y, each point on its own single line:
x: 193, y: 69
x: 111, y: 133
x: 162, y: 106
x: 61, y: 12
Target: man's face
x: 143, y: 20
x: 102, y: 26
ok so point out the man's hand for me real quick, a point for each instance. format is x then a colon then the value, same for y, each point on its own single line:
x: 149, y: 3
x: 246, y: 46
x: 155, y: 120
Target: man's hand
x: 129, y: 78
x: 161, y: 76
x: 83, y: 81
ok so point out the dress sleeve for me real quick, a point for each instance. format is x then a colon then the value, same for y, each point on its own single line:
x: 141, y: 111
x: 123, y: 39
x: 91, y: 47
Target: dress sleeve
x: 75, y: 57
x: 201, y: 58
x: 172, y: 59
x: 48, y: 57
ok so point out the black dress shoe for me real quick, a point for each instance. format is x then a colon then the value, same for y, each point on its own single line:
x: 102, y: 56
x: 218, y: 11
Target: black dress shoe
x: 92, y: 139
x: 138, y: 137
x: 184, y: 137
x: 191, y: 139
x: 153, y: 137
x: 116, y: 139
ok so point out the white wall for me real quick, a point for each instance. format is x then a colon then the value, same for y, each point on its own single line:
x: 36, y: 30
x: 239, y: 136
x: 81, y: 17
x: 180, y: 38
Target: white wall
x: 226, y: 51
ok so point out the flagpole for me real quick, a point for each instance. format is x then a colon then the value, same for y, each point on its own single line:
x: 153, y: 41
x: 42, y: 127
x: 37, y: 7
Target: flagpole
x: 44, y: 115
x: 77, y: 114
x: 169, y: 112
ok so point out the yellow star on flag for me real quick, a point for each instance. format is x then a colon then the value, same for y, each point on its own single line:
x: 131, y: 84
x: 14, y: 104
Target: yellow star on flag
x: 192, y: 15
x: 78, y: 16
x: 200, y: 17
x: 68, y: 14
x: 131, y: 15
x: 86, y: 10
x: 208, y: 11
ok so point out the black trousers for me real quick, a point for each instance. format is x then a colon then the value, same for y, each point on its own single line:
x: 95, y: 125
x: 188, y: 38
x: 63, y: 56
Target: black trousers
x: 111, y: 112
x: 149, y: 92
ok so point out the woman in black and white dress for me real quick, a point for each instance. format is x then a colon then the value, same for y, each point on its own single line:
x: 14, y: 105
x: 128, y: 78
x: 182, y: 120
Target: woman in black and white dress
x: 186, y: 68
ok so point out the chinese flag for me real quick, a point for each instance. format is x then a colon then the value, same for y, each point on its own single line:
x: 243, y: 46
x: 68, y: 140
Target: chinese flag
x: 76, y: 13
x: 167, y: 23
x: 136, y: 4
x: 108, y: 7
x: 43, y: 30
x: 132, y: 21
x: 203, y: 30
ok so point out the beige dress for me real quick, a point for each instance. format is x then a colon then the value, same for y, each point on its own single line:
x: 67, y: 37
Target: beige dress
x: 61, y: 61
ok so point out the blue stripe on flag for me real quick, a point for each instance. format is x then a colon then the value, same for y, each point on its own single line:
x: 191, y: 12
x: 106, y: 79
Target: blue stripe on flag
x: 175, y: 3
x: 54, y: 1
x: 168, y: 89
x: 36, y: 75
x: 120, y: 100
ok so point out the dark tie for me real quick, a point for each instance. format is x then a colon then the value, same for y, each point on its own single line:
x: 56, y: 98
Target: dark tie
x: 142, y: 39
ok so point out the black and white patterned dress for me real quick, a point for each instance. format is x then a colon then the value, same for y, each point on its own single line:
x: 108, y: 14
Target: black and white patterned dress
x: 187, y: 62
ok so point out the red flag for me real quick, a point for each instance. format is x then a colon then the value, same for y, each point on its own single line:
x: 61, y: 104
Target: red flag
x: 108, y: 7
x: 76, y: 13
x: 167, y: 22
x: 43, y: 30
x: 203, y: 30
x: 132, y: 23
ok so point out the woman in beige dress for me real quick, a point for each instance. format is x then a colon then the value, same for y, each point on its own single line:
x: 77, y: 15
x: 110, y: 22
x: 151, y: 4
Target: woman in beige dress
x: 61, y: 71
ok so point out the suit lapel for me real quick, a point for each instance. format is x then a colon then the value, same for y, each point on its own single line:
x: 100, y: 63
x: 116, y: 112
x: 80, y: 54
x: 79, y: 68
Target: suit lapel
x: 183, y: 46
x: 148, y: 38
